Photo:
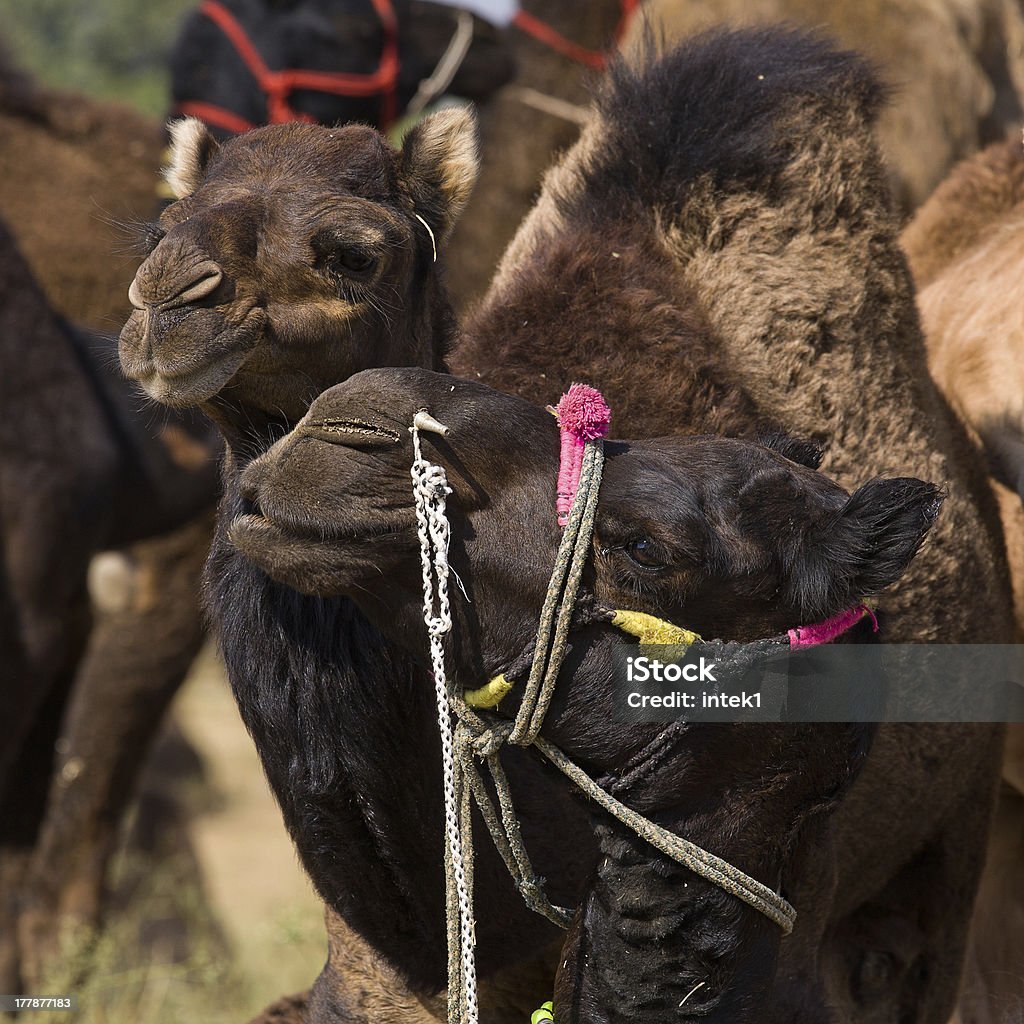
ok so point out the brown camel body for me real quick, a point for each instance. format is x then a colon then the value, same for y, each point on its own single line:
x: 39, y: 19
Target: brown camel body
x: 52, y: 523
x: 768, y: 288
x: 963, y: 91
x: 82, y: 171
x: 91, y: 476
x: 966, y: 250
x: 77, y: 172
x: 966, y: 246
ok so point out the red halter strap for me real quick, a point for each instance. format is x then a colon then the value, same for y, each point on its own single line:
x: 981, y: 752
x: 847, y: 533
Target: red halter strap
x: 278, y: 86
x: 544, y: 33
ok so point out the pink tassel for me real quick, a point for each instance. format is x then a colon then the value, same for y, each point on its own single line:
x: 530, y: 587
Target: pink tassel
x: 825, y: 632
x: 583, y: 415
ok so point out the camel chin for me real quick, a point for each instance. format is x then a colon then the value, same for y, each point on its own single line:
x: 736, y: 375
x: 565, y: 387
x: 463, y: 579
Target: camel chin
x: 299, y: 562
x: 187, y: 390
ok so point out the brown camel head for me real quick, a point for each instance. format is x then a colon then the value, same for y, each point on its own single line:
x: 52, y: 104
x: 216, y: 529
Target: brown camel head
x: 729, y: 538
x: 294, y: 256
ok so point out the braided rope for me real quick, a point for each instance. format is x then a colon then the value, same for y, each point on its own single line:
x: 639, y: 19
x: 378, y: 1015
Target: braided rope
x: 569, y: 563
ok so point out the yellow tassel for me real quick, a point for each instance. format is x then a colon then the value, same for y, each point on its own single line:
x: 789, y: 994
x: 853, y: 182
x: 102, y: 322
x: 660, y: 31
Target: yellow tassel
x: 543, y: 1014
x: 651, y: 630
x: 488, y: 695
x: 647, y: 628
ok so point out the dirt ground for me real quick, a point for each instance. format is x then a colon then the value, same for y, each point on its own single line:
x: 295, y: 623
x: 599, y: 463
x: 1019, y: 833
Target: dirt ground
x: 213, y: 918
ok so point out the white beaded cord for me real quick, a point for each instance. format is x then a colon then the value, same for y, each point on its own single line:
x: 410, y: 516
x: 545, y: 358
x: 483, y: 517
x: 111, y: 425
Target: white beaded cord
x: 430, y: 490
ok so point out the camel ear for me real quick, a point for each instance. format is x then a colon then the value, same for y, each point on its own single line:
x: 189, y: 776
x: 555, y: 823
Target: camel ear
x: 440, y: 162
x: 868, y: 546
x: 192, y: 149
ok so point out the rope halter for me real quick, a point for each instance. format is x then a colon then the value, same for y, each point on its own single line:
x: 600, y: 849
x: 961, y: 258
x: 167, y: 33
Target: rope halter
x: 584, y: 416
x: 277, y: 86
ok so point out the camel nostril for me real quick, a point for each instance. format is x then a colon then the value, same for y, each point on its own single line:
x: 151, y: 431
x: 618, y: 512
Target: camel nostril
x: 200, y: 288
x: 162, y: 291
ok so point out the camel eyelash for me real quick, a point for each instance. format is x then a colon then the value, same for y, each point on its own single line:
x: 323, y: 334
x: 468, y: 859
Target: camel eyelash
x: 150, y: 236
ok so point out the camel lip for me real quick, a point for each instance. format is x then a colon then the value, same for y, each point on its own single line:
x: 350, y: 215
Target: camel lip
x: 140, y: 342
x: 196, y: 383
x: 194, y: 386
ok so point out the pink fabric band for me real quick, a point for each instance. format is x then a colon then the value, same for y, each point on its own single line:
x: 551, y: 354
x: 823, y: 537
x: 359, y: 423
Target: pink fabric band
x: 825, y: 632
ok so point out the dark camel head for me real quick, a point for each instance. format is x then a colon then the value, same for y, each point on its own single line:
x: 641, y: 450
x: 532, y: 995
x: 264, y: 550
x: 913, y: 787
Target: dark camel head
x: 734, y: 539
x: 345, y: 37
x: 727, y: 537
x: 295, y: 256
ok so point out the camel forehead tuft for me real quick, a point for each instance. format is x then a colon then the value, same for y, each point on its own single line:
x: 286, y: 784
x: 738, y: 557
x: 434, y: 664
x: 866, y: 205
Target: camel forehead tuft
x: 353, y: 158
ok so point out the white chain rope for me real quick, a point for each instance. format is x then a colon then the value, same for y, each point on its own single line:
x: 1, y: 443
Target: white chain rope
x: 430, y: 489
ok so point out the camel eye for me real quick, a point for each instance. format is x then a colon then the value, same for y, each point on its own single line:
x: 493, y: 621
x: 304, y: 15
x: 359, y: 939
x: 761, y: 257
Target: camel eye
x: 645, y: 553
x: 354, y: 262
x: 338, y: 256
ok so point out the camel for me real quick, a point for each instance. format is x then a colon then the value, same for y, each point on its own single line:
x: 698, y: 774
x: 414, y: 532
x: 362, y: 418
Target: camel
x: 77, y: 172
x: 967, y: 232
x: 544, y: 282
x: 682, y: 527
x: 964, y: 91
x: 963, y: 246
x: 369, y: 292
x: 94, y: 475
x: 771, y: 271
x: 345, y: 46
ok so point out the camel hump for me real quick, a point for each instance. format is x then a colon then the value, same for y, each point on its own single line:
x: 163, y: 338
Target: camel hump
x: 714, y: 104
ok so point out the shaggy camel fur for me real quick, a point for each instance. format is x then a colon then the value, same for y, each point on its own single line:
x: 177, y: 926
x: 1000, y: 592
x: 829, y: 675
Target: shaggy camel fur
x: 250, y: 307
x: 805, y: 317
x: 965, y: 249
x: 338, y: 37
x: 727, y: 537
x: 957, y: 68
x: 87, y: 473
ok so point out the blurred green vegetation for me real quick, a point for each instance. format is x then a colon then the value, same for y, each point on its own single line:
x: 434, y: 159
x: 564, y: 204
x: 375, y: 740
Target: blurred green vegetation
x: 113, y: 49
